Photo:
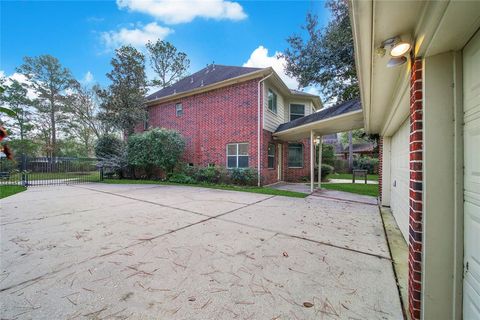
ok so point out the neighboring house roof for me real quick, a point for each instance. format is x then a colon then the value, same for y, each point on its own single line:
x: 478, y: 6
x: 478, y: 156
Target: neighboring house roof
x: 207, y: 76
x: 337, y: 110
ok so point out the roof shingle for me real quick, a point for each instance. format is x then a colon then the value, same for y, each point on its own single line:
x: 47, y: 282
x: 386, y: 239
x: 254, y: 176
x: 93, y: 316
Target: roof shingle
x: 207, y: 76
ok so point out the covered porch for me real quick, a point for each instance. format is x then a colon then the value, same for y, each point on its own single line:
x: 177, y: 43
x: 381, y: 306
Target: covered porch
x: 341, y: 117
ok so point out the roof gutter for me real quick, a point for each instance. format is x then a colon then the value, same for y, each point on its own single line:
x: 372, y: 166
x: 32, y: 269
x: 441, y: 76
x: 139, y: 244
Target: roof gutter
x: 259, y: 148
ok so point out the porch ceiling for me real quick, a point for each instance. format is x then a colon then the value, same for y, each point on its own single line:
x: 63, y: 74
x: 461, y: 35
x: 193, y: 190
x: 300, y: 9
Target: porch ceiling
x: 339, y: 118
x: 431, y: 26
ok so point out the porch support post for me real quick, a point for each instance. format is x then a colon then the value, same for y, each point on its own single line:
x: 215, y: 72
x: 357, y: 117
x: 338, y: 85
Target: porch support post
x: 312, y: 161
x: 320, y: 162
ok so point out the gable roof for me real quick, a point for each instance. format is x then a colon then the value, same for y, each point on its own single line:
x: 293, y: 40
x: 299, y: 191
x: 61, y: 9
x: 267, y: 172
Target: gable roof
x: 207, y: 76
x: 337, y: 110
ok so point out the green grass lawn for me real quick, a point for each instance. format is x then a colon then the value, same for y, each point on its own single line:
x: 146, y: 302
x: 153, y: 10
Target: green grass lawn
x: 6, y: 191
x: 262, y: 190
x: 364, y: 189
x: 349, y: 176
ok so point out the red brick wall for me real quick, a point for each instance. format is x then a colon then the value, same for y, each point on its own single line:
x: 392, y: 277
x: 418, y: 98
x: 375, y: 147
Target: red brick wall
x: 211, y: 120
x: 269, y: 176
x: 380, y: 167
x: 297, y: 174
x: 416, y: 167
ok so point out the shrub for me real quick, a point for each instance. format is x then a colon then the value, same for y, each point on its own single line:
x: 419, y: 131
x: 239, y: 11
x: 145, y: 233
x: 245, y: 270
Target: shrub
x: 108, y: 145
x: 366, y: 163
x: 155, y: 149
x: 210, y: 174
x: 244, y: 177
x: 326, y: 170
x: 328, y: 154
x: 180, y: 177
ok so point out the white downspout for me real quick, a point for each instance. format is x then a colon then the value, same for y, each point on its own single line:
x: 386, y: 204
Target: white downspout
x: 259, y: 149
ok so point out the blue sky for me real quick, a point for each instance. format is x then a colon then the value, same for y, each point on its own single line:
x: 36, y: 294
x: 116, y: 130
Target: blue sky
x: 83, y: 34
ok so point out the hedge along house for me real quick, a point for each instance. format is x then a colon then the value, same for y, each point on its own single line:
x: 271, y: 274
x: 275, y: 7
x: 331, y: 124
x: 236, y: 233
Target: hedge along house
x: 232, y: 117
x: 425, y: 104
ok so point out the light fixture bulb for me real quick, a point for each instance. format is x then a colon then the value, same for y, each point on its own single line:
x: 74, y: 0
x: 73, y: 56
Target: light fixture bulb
x: 396, y: 61
x: 399, y: 49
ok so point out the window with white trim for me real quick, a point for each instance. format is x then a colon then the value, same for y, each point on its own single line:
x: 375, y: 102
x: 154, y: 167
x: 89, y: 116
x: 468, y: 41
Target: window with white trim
x: 295, y: 155
x: 272, y: 101
x: 178, y: 109
x: 237, y: 155
x: 297, y: 111
x: 271, y: 156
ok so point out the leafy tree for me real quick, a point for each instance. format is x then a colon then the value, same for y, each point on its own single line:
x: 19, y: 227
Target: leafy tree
x: 326, y: 58
x: 108, y: 145
x: 112, y: 155
x: 16, y: 99
x: 328, y: 154
x: 358, y: 136
x: 169, y: 64
x: 122, y: 102
x: 155, y: 149
x: 50, y: 80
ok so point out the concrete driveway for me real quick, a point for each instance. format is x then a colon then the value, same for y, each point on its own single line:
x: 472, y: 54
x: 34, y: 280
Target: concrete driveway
x: 99, y: 251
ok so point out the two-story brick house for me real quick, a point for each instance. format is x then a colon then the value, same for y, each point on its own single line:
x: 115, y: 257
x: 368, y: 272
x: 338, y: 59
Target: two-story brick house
x: 228, y: 116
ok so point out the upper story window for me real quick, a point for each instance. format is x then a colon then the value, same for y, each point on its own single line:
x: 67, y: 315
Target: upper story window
x: 272, y: 101
x: 179, y: 109
x: 271, y: 156
x: 295, y: 155
x: 297, y: 111
x: 237, y: 155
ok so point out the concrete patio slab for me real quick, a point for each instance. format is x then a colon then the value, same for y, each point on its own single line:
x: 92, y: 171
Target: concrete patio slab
x: 164, y: 262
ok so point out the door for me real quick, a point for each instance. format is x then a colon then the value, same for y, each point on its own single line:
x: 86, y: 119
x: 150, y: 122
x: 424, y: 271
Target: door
x: 279, y: 162
x: 471, y: 130
x: 400, y: 177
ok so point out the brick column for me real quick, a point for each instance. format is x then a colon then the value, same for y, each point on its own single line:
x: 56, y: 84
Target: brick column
x: 416, y: 167
x: 380, y: 167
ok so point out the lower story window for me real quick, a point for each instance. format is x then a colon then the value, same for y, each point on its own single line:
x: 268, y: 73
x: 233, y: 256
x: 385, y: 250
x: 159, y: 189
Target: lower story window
x: 295, y: 155
x: 237, y: 155
x: 271, y: 156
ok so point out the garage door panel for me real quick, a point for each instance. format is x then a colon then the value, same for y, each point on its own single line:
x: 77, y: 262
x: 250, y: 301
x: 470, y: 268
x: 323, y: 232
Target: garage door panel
x: 400, y: 177
x: 471, y: 134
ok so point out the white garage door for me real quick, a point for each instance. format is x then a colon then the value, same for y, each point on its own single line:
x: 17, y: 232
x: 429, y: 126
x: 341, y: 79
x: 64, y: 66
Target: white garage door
x: 400, y: 177
x: 471, y: 109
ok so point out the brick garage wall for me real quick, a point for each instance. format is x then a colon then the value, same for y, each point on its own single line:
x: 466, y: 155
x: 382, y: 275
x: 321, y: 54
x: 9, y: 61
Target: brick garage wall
x: 211, y: 120
x: 416, y: 179
x: 297, y: 174
x: 380, y: 167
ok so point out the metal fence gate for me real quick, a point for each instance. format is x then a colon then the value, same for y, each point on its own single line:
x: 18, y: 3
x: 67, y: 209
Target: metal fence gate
x: 40, y: 171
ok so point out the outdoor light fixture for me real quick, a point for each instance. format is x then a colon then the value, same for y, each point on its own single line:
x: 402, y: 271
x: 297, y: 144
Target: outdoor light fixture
x: 396, y: 61
x: 398, y: 49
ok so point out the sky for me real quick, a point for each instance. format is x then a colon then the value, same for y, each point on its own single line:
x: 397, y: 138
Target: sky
x: 84, y: 34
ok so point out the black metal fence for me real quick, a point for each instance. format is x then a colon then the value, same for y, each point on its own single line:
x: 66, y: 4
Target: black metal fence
x: 49, y: 171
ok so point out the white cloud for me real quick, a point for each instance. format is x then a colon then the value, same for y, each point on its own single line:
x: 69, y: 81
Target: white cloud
x: 136, y: 37
x: 87, y: 78
x: 260, y: 59
x: 181, y: 11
